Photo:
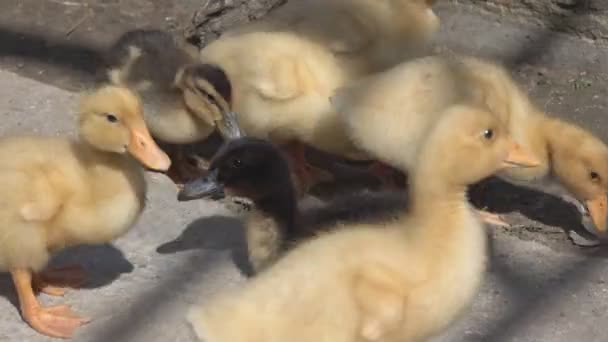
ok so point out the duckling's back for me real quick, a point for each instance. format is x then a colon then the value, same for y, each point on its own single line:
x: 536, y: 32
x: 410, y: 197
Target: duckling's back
x: 151, y: 56
x: 29, y: 153
x: 411, y: 96
x: 375, y: 33
x: 282, y: 84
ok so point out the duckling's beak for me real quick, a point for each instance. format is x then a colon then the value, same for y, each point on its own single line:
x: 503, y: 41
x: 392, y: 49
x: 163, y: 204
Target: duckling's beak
x: 145, y: 149
x: 208, y: 186
x: 597, y: 209
x: 518, y: 157
x: 229, y: 127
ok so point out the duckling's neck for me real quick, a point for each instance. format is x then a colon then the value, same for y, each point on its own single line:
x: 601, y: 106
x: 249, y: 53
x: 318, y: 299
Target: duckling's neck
x: 533, y: 133
x: 432, y: 196
x: 553, y: 131
x: 281, y: 205
x: 557, y: 138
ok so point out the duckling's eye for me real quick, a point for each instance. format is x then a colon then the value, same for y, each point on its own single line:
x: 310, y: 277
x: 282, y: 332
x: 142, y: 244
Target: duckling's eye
x: 209, y: 97
x: 595, y: 177
x: 488, y: 134
x: 237, y: 163
x: 111, y: 118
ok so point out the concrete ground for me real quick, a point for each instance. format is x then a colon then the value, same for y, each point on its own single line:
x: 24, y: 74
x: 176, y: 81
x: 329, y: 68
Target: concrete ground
x: 540, y: 286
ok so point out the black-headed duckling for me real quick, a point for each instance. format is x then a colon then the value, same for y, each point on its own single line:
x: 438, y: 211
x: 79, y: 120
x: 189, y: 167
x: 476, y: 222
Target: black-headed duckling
x: 256, y: 169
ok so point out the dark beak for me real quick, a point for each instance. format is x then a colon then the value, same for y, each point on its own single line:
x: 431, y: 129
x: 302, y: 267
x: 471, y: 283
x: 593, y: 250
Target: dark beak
x: 229, y: 127
x: 206, y: 187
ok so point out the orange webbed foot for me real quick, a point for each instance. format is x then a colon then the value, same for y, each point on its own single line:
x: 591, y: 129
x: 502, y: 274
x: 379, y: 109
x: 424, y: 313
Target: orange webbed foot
x: 55, y: 321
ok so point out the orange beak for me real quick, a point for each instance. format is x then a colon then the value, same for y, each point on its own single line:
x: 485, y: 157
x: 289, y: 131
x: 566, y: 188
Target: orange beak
x: 597, y: 208
x: 518, y: 157
x: 144, y: 149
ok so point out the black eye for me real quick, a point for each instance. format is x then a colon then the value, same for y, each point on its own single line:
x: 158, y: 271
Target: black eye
x: 488, y: 134
x: 209, y: 97
x: 237, y: 163
x: 594, y: 176
x: 111, y: 118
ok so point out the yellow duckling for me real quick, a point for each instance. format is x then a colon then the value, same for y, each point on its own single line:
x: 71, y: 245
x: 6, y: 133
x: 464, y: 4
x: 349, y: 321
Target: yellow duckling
x: 372, y: 35
x: 417, y: 90
x: 57, y: 193
x: 403, y: 279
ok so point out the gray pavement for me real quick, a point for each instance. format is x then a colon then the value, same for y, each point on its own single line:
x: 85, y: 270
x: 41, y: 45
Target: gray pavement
x: 539, y: 287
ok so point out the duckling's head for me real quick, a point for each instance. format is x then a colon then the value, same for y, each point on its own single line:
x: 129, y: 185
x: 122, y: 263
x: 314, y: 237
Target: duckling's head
x: 467, y: 145
x: 207, y: 93
x: 247, y: 167
x: 111, y: 120
x: 580, y: 161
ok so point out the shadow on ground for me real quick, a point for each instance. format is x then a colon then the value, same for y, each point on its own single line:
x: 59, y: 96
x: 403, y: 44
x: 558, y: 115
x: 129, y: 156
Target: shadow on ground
x: 214, y: 232
x: 531, y: 298
x: 103, y: 265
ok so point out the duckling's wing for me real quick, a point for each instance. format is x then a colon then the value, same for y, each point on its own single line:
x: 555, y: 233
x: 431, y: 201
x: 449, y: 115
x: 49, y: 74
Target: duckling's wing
x: 381, y: 299
x: 280, y: 80
x: 276, y: 66
x: 30, y: 194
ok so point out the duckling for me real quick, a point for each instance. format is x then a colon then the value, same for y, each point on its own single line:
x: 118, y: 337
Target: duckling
x: 257, y: 169
x: 373, y: 35
x: 285, y: 66
x: 404, y: 279
x: 58, y: 193
x: 184, y: 100
x: 415, y: 91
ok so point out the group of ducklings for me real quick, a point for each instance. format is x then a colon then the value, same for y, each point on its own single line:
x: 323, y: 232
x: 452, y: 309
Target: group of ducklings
x: 351, y: 78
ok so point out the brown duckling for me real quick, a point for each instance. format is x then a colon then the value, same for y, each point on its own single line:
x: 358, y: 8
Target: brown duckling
x: 58, y: 193
x: 415, y: 91
x: 404, y: 279
x: 184, y: 100
x: 257, y: 169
